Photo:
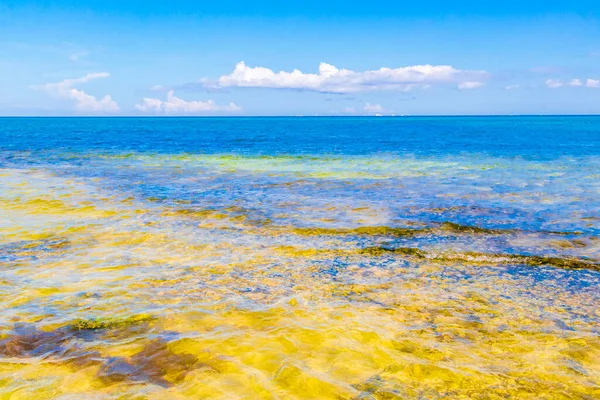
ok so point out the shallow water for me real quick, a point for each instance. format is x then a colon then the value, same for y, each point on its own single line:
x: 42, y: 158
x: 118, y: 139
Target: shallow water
x: 343, y: 258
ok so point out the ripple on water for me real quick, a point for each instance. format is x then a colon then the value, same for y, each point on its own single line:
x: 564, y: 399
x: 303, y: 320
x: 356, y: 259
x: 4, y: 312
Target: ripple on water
x: 295, y: 277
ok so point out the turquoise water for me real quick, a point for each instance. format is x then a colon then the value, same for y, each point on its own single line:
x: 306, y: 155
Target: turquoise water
x: 300, y: 257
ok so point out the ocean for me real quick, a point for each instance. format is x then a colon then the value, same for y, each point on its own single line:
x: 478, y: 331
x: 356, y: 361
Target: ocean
x: 294, y: 258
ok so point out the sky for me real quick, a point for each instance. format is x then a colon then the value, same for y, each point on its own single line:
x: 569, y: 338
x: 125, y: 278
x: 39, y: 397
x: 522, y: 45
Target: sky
x: 77, y: 57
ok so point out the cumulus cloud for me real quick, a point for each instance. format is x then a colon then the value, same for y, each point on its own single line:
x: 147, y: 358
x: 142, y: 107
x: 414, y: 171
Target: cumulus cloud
x: 330, y: 79
x: 83, y: 101
x: 593, y: 83
x: 556, y: 83
x: 470, y: 85
x: 176, y: 106
x: 512, y: 87
x: 373, y: 108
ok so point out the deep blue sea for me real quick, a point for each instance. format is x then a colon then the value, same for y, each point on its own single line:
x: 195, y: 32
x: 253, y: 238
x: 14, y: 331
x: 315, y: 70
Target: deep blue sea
x: 535, y: 137
x: 404, y: 257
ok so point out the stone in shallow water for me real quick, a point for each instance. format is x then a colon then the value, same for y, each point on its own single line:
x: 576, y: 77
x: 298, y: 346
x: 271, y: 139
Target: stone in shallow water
x: 156, y: 363
x: 27, y: 341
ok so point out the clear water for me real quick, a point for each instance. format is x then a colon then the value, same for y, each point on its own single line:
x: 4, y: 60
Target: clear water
x: 286, y: 258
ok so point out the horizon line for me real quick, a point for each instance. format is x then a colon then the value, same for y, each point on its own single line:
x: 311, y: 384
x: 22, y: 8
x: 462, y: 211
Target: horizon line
x: 302, y: 116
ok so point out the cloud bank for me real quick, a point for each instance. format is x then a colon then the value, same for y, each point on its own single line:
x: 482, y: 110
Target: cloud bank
x: 83, y: 101
x: 176, y: 106
x: 470, y: 85
x: 330, y: 79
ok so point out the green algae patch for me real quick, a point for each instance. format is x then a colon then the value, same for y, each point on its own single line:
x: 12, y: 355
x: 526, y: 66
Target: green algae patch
x: 195, y: 214
x: 457, y: 228
x: 362, y: 231
x: 569, y: 244
x: 535, y: 261
x: 321, y: 231
x: 445, y: 227
x: 110, y: 323
x: 468, y: 257
x: 471, y: 257
x: 385, y: 231
x: 380, y: 251
x: 568, y: 263
x: 440, y: 229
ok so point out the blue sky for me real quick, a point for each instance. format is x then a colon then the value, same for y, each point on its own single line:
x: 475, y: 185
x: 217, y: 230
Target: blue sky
x: 352, y: 58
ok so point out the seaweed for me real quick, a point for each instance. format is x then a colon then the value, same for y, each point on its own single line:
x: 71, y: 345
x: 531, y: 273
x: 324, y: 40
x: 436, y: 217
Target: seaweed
x: 457, y: 228
x: 28, y: 341
x: 110, y: 323
x: 472, y: 257
x: 442, y: 228
x: 381, y: 250
x: 155, y: 363
x: 361, y: 231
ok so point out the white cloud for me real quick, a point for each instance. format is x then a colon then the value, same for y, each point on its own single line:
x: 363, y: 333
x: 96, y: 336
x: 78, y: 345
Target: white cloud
x: 592, y: 83
x: 553, y: 83
x: 150, y: 105
x: 512, y: 87
x: 333, y: 80
x: 556, y: 83
x: 174, y: 106
x: 373, y: 108
x: 470, y: 85
x: 83, y: 101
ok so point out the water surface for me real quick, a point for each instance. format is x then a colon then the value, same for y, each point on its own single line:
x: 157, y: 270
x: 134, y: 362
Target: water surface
x: 343, y: 258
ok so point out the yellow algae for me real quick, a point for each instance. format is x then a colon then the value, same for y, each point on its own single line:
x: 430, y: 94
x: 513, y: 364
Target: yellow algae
x: 569, y: 244
x: 49, y: 207
x: 304, y: 383
x: 294, y: 251
x: 443, y: 228
x: 200, y: 214
x: 26, y: 296
x: 189, y: 312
